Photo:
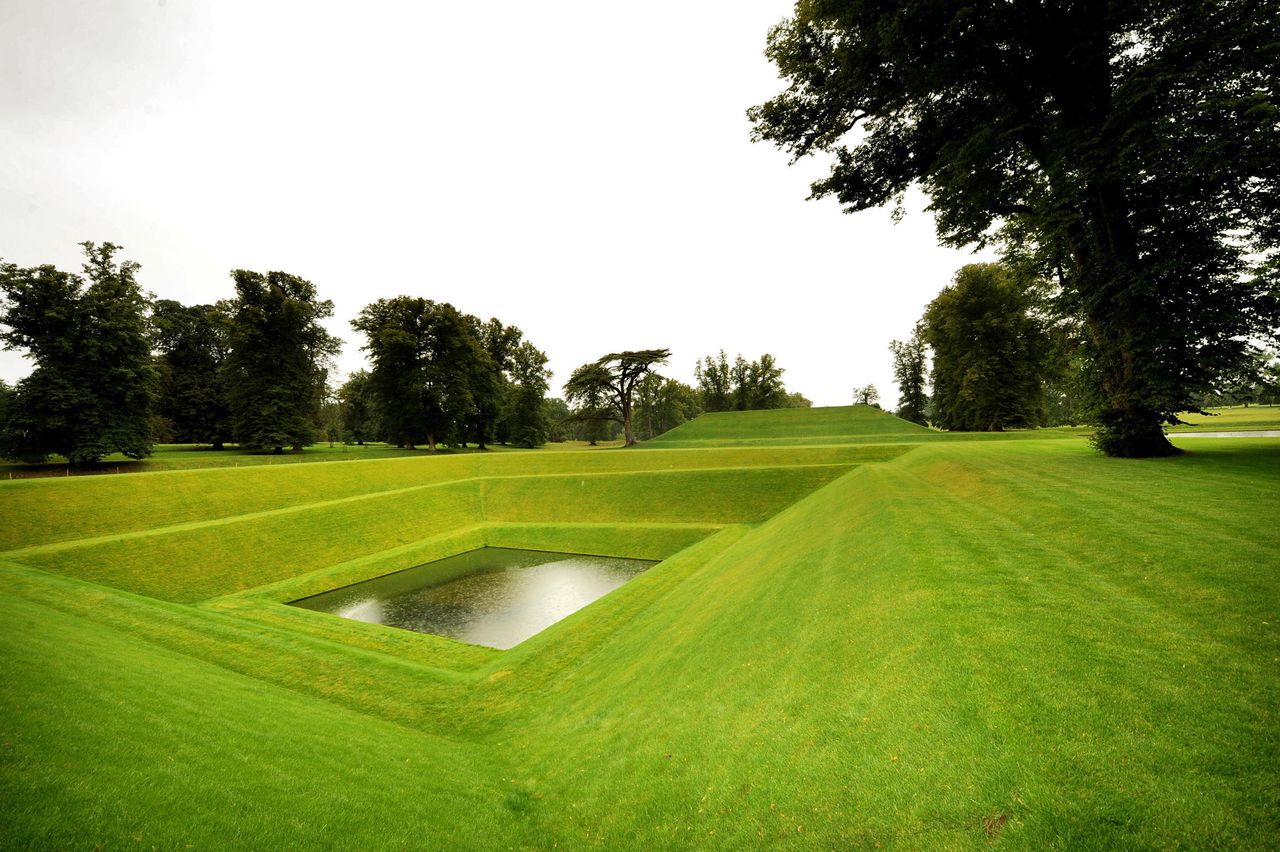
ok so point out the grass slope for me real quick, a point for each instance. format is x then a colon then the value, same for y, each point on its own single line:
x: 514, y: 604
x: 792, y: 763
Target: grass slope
x: 807, y: 425
x: 941, y: 644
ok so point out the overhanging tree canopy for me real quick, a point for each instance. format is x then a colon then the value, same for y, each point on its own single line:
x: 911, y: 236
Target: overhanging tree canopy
x: 1128, y: 148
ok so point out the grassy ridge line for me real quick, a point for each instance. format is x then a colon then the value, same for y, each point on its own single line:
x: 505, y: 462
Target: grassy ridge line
x: 74, y: 544
x: 802, y: 423
x: 927, y: 651
x: 903, y: 442
x: 171, y: 752
x: 213, y: 559
x: 388, y: 686
x: 47, y: 511
x: 728, y: 496
x: 54, y: 547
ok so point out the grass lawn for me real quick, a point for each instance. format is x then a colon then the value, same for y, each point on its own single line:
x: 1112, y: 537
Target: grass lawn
x: 851, y: 642
x: 189, y: 457
x: 1236, y: 418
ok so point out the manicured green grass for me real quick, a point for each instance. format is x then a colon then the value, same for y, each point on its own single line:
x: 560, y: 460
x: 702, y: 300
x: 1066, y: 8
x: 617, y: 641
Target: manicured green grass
x: 188, y: 457
x: 923, y: 643
x: 1237, y: 418
x: 811, y: 425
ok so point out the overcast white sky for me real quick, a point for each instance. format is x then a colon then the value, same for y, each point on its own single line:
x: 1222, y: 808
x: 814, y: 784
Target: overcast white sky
x: 582, y: 170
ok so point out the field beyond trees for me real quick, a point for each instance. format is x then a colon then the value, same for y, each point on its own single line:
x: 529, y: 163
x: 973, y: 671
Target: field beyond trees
x: 862, y: 633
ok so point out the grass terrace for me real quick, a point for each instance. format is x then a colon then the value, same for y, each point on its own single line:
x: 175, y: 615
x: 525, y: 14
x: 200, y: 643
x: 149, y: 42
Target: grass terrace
x: 859, y: 635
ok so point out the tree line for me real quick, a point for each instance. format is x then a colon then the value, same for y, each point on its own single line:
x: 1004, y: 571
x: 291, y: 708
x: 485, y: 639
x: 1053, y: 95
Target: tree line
x: 623, y: 391
x: 997, y: 355
x: 1125, y: 152
x: 116, y: 372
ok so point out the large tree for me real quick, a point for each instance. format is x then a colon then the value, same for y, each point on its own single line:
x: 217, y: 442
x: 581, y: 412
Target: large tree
x: 192, y: 345
x: 607, y: 385
x: 525, y: 419
x: 358, y: 408
x: 278, y: 359
x: 1129, y: 148
x: 495, y: 346
x: 989, y: 352
x: 91, y: 392
x: 424, y: 357
x: 440, y: 375
x: 910, y: 363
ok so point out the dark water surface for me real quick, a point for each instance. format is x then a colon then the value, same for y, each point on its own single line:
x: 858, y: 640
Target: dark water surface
x: 492, y: 596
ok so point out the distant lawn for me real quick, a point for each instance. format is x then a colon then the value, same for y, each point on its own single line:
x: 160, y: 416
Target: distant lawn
x: 810, y: 425
x: 1232, y: 419
x: 188, y: 456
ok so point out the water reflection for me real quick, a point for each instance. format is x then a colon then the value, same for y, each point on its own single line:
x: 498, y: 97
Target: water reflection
x: 492, y: 596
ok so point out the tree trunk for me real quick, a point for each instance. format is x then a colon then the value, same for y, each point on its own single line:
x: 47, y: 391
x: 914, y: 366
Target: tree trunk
x: 217, y: 445
x: 627, y: 434
x: 278, y: 451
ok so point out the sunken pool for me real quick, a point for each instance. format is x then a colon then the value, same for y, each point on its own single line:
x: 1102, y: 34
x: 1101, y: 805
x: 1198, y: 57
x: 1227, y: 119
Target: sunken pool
x: 493, y: 596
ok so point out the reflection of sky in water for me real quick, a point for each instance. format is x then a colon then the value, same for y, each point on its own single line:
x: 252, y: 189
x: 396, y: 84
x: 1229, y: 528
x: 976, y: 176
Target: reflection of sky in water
x: 505, y: 597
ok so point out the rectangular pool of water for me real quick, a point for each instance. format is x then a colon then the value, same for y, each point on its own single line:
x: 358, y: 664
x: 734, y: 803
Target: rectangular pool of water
x: 493, y: 596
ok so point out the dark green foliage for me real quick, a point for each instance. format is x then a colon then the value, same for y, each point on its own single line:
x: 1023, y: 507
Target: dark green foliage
x: 988, y: 352
x: 798, y: 400
x: 1066, y: 393
x: 276, y: 367
x: 1129, y: 148
x: 358, y: 408
x: 424, y: 357
x: 909, y: 367
x: 6, y: 397
x: 590, y: 392
x: 91, y: 392
x: 490, y: 388
x: 526, y: 421
x: 662, y: 404
x: 603, y: 390
x: 558, y: 417
x: 1255, y: 381
x: 192, y: 344
x: 715, y: 383
x: 743, y: 386
x: 440, y: 375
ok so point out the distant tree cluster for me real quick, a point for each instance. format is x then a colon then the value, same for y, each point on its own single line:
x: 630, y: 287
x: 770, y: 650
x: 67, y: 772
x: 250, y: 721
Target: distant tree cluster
x: 116, y: 372
x: 989, y: 351
x: 604, y: 391
x: 441, y: 376
x: 662, y: 404
x: 1255, y: 381
x: 743, y: 385
x: 1001, y: 358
